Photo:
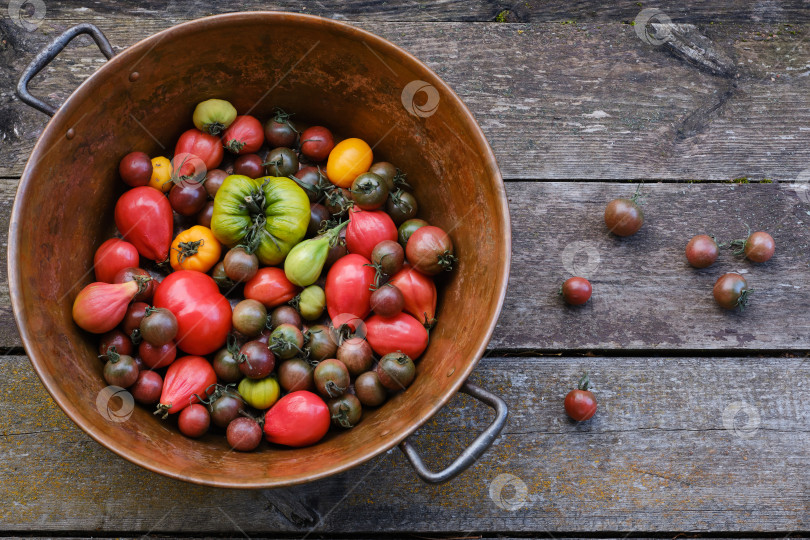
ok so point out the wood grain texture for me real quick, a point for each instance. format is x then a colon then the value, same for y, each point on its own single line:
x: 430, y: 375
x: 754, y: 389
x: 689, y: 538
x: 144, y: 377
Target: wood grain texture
x: 557, y: 101
x: 676, y: 445
x: 645, y: 294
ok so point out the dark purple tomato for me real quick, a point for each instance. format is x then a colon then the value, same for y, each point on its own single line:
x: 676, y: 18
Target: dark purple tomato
x: 387, y: 301
x: 356, y: 354
x: 401, y: 206
x: 388, y: 256
x: 249, y: 317
x: 296, y: 374
x: 331, y: 378
x: 369, y: 389
x: 158, y: 326
x: 140, y: 363
x: 147, y: 387
x: 759, y: 247
x: 205, y: 215
x: 386, y: 171
x: 337, y: 250
x: 116, y: 341
x: 194, y: 420
x: 250, y: 165
x: 312, y: 181
x: 279, y: 131
x: 188, y: 197
x: 731, y: 291
x: 576, y: 291
x: 407, y: 229
x: 225, y: 409
x: 142, y: 276
x: 135, y: 169
x: 256, y: 360
x: 281, y: 162
x: 133, y: 316
x: 338, y: 201
x: 157, y: 357
x: 286, y: 341
x: 317, y: 215
x: 369, y: 191
x: 346, y: 410
x: 226, y: 366
x: 702, y: 251
x: 321, y: 343
x: 285, y: 315
x: 396, y: 371
x: 623, y: 217
x: 213, y: 180
x: 239, y: 265
x: 221, y: 278
x: 316, y: 143
x: 244, y: 434
x: 121, y: 370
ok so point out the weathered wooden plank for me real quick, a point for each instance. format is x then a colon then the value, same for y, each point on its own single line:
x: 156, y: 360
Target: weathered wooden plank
x: 677, y: 445
x: 557, y: 101
x: 645, y: 295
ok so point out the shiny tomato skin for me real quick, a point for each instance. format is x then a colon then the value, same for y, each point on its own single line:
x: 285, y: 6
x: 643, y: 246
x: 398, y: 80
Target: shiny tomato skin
x: 759, y: 247
x: 366, y: 229
x: 348, y: 159
x: 113, y: 256
x: 244, y: 136
x: 187, y: 376
x: 623, y: 217
x: 419, y: 293
x: 203, y: 314
x: 347, y: 287
x: 580, y: 405
x: 271, y: 287
x: 576, y: 291
x: 702, y: 251
x: 204, y: 146
x: 144, y: 218
x: 298, y: 419
x: 317, y: 142
x: 400, y: 333
x: 731, y: 291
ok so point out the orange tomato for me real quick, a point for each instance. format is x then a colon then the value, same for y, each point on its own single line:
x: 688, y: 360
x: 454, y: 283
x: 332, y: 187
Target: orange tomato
x: 347, y: 160
x: 195, y: 249
x: 161, y: 174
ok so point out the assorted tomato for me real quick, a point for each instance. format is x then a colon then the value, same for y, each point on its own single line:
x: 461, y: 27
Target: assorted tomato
x: 255, y: 293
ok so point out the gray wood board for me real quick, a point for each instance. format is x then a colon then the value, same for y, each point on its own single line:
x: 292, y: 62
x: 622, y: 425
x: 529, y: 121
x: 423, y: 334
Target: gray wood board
x: 557, y: 101
x: 678, y: 444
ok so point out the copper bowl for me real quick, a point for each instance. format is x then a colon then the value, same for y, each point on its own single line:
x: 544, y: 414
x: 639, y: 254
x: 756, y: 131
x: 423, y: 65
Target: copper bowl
x: 327, y: 73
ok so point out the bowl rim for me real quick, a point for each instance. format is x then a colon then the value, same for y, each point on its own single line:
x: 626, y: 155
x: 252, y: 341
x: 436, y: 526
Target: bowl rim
x: 83, y: 92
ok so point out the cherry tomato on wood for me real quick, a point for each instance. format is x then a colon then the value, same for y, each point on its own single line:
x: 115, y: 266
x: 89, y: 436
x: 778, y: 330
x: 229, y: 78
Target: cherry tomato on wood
x: 759, y: 247
x: 731, y: 291
x: 701, y: 251
x: 580, y: 404
x: 623, y: 217
x: 576, y: 291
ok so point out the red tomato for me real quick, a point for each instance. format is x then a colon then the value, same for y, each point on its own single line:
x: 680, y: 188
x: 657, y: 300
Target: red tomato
x: 187, y: 376
x: 204, y: 146
x: 271, y: 287
x: 112, y: 256
x: 143, y: 216
x: 298, y: 419
x: 244, y: 136
x: 576, y: 291
x: 347, y: 287
x: 366, y: 229
x: 157, y: 357
x: 203, y: 314
x: 400, y: 333
x: 317, y: 142
x: 580, y: 405
x: 419, y: 292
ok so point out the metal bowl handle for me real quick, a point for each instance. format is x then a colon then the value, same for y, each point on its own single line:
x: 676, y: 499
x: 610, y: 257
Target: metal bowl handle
x: 49, y: 53
x: 470, y: 454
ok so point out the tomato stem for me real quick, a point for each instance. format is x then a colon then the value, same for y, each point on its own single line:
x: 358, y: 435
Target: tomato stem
x: 332, y: 386
x: 342, y: 416
x: 188, y: 249
x: 584, y: 382
x: 164, y: 409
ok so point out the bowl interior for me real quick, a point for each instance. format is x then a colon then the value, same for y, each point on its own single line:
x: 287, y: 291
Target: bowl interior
x: 327, y: 73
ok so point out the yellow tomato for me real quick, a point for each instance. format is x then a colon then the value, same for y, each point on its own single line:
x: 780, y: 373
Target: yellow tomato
x: 347, y: 160
x: 195, y: 249
x: 261, y: 393
x: 161, y: 174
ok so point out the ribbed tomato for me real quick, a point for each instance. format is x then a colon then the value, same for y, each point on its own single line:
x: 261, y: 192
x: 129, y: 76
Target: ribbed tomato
x: 185, y: 377
x: 298, y: 419
x: 203, y: 314
x: 366, y: 229
x: 400, y: 333
x: 348, y: 285
x: 204, y: 146
x: 143, y: 216
x: 271, y: 287
x: 419, y: 292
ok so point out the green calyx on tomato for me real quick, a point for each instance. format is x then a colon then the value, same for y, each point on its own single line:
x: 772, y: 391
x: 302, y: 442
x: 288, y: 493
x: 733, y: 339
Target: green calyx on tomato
x: 268, y: 215
x: 305, y: 261
x: 213, y: 116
